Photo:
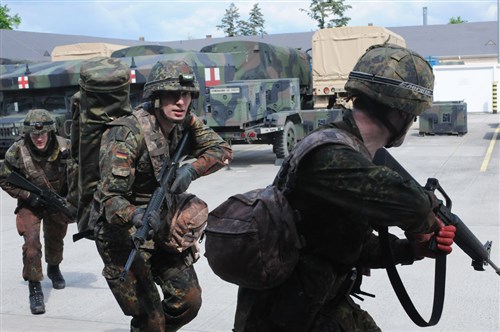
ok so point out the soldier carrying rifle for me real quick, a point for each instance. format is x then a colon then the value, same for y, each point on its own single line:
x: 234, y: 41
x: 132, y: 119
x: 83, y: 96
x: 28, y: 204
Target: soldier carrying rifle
x: 40, y: 160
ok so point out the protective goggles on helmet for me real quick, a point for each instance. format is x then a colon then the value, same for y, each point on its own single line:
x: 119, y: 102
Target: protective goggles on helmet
x: 39, y: 126
x: 183, y: 80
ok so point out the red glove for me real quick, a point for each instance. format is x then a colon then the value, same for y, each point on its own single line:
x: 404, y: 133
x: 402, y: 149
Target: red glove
x: 432, y: 244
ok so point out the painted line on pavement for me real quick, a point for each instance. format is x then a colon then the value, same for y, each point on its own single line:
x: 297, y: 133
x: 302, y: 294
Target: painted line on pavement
x: 487, y: 157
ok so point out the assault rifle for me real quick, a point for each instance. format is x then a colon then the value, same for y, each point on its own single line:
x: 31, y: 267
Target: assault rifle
x: 464, y: 238
x: 51, y: 199
x: 165, y: 178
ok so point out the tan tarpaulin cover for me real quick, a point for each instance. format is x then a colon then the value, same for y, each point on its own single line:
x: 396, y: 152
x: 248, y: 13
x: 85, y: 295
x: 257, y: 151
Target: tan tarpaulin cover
x: 335, y: 51
x: 83, y: 51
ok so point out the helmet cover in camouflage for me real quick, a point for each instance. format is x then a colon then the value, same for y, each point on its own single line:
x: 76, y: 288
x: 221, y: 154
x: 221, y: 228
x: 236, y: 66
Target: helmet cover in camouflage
x: 172, y: 75
x: 38, y: 121
x: 393, y: 76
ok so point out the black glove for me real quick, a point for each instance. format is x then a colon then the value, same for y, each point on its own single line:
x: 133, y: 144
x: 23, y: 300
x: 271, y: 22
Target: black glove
x: 183, y: 177
x: 35, y: 201
x: 153, y: 221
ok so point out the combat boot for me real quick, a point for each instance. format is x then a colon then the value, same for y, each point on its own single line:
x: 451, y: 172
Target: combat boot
x: 36, y: 298
x: 55, y: 275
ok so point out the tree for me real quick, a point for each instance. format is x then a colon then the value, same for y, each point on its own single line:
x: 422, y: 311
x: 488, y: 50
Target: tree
x: 244, y: 28
x: 8, y: 22
x: 230, y: 20
x: 322, y: 10
x: 456, y: 20
x: 256, y: 21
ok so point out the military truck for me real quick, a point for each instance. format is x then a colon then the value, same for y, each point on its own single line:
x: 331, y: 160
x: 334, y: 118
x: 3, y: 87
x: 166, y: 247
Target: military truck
x: 263, y: 111
x: 214, y: 65
x: 280, y: 94
x: 257, y: 60
x: 335, y: 51
x: 20, y: 92
x: 266, y: 103
x: 269, y: 97
x: 51, y: 85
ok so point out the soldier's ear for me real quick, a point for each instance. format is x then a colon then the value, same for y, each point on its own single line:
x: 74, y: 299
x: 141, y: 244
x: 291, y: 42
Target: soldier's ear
x: 156, y: 103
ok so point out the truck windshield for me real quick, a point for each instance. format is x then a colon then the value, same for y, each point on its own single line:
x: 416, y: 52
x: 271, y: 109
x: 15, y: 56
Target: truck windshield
x: 19, y: 104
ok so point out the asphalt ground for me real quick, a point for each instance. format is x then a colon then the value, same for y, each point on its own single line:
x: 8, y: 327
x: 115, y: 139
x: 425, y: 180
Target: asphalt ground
x: 467, y: 167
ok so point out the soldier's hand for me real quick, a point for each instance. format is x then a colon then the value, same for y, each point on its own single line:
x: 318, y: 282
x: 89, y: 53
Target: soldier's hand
x: 137, y: 217
x: 183, y: 177
x: 35, y: 201
x: 432, y: 244
x: 153, y: 221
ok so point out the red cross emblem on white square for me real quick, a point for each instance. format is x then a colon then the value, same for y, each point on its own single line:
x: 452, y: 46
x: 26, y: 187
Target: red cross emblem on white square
x: 212, y: 76
x: 23, y: 82
x: 133, y: 77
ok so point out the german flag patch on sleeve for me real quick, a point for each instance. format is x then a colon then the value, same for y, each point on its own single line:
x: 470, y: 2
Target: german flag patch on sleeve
x: 121, y: 155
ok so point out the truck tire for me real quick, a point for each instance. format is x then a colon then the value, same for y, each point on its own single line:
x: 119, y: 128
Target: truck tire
x: 284, y: 142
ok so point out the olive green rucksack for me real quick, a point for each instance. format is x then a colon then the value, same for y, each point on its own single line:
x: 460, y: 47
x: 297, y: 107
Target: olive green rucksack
x: 251, y: 239
x: 103, y: 97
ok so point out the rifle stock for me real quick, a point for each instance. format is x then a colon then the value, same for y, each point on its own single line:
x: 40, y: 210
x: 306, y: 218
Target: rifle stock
x: 464, y: 238
x: 160, y: 194
x: 52, y: 199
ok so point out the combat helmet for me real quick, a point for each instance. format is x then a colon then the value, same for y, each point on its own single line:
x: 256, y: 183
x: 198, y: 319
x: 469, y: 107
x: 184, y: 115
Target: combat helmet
x: 393, y: 76
x: 171, y: 75
x: 38, y: 121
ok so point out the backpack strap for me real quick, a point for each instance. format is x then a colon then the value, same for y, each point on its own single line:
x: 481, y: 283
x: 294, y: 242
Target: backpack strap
x: 155, y: 140
x: 327, y: 136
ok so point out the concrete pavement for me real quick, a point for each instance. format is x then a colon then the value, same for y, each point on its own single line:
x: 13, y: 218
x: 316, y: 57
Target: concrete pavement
x: 472, y: 298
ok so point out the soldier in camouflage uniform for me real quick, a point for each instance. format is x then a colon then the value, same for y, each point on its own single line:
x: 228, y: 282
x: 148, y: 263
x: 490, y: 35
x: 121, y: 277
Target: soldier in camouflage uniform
x: 342, y: 197
x: 132, y: 152
x: 42, y: 157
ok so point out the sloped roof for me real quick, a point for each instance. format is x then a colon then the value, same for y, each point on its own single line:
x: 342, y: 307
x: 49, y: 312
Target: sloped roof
x: 37, y: 46
x: 452, y: 40
x: 466, y: 39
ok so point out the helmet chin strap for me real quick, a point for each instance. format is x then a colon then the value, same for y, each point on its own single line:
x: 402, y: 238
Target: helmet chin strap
x: 395, y: 133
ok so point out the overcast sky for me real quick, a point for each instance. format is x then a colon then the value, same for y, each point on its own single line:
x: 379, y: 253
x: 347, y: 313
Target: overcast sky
x: 164, y: 20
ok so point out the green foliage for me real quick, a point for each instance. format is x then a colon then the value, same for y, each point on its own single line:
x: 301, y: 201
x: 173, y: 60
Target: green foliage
x: 328, y: 13
x: 230, y: 21
x: 8, y: 22
x: 456, y: 20
x: 233, y: 26
x: 256, y: 21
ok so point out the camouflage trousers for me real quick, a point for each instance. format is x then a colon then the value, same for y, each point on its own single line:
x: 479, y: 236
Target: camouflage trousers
x: 138, y: 295
x: 313, y: 299
x: 55, y: 228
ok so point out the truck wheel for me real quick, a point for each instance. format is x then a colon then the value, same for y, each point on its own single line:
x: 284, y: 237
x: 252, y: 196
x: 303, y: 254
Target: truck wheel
x: 286, y: 141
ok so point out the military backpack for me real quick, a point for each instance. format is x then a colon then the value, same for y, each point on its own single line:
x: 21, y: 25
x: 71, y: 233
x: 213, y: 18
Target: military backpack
x: 103, y: 97
x: 251, y: 238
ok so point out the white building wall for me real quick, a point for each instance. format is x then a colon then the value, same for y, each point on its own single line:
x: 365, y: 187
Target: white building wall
x: 472, y: 83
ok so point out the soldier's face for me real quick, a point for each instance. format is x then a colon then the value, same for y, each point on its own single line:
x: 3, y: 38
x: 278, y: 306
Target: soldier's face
x: 174, y: 105
x: 40, y: 140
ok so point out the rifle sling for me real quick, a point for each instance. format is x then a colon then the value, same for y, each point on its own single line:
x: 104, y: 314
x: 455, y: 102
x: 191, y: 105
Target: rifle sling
x: 399, y: 288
